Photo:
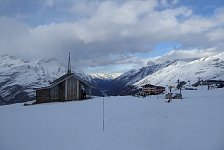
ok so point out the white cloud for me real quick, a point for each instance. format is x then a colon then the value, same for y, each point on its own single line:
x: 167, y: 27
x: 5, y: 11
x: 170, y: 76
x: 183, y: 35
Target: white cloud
x: 183, y: 54
x: 111, y: 32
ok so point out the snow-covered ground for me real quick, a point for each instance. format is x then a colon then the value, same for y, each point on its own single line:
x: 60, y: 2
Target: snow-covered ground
x: 194, y: 123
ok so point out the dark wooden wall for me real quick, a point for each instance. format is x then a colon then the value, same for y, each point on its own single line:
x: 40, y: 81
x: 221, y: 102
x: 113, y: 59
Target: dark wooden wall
x: 42, y: 95
x: 54, y: 93
x: 61, y: 94
x: 72, y: 89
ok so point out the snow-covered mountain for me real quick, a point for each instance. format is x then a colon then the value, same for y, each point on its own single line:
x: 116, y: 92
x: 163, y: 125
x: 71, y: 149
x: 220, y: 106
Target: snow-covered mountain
x: 18, y: 77
x: 102, y: 81
x: 188, y: 70
x: 119, y: 84
x: 105, y: 76
x: 135, y: 75
x: 204, y: 68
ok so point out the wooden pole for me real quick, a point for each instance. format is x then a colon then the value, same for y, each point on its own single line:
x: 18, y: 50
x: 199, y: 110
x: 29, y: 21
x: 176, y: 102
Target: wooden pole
x: 103, y: 114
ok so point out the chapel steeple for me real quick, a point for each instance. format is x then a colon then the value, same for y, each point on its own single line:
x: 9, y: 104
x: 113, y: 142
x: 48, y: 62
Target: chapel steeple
x: 69, y: 66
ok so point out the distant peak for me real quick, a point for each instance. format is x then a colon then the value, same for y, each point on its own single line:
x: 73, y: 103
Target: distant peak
x: 108, y: 76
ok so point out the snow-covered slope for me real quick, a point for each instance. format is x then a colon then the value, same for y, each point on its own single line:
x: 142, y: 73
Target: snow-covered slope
x: 135, y: 75
x: 169, y: 72
x: 120, y: 84
x: 204, y: 68
x: 18, y: 77
x: 194, y: 123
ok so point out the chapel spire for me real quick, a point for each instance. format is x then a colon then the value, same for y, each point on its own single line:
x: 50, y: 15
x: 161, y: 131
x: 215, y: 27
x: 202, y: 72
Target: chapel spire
x: 69, y: 66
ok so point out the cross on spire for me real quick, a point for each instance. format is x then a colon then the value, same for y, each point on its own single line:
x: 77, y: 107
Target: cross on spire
x: 69, y: 66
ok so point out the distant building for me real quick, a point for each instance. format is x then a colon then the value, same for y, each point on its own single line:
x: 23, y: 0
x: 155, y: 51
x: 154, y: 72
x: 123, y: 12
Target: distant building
x: 66, y: 88
x: 214, y: 83
x: 152, y: 89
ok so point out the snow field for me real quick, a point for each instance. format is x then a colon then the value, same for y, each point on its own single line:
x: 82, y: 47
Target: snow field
x: 194, y: 123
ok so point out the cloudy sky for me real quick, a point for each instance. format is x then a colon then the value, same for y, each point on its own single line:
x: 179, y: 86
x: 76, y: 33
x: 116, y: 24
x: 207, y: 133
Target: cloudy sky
x: 111, y: 36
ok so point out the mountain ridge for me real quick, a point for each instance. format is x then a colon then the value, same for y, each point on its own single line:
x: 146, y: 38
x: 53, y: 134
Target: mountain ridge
x: 18, y: 76
x: 204, y: 68
x: 105, y: 76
